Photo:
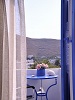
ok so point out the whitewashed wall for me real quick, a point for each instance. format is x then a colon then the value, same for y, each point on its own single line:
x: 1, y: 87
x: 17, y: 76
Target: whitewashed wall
x: 55, y: 91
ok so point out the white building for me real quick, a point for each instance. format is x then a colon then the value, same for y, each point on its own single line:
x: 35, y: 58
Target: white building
x: 29, y: 63
x: 52, y: 61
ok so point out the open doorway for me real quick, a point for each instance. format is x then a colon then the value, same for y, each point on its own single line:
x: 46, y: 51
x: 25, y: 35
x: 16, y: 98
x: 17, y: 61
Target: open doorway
x: 43, y: 30
x: 43, y: 37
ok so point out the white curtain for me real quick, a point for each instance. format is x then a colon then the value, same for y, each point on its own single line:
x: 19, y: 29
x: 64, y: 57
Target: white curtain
x: 21, y: 49
x: 12, y: 50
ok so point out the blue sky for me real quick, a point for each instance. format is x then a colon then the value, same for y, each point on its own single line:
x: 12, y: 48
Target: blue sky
x: 43, y: 18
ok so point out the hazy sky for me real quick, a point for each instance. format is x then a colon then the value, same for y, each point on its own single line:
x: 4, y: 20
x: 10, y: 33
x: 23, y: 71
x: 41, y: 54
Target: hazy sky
x: 43, y: 18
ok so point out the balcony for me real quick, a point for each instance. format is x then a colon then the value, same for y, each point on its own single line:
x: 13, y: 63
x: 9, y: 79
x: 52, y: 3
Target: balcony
x: 54, y: 92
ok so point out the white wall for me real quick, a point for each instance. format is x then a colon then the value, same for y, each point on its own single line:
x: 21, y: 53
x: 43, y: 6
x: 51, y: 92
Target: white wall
x: 55, y: 91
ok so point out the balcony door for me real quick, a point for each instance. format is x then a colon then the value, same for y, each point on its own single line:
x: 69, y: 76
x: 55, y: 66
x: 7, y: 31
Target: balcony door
x: 68, y: 49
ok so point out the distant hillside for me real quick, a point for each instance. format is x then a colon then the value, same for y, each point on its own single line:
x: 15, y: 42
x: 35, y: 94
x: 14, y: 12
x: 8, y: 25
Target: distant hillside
x: 43, y: 47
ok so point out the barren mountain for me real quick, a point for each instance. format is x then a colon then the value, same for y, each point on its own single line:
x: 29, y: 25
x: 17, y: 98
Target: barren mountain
x: 43, y: 47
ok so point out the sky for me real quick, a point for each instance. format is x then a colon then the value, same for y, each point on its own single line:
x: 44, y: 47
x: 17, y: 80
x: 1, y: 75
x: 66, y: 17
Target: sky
x: 43, y: 18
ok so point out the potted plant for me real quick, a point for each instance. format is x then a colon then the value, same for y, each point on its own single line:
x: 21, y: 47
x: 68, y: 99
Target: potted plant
x: 41, y: 69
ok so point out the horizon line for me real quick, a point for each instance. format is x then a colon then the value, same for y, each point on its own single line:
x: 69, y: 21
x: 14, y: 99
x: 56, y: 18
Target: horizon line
x: 41, y: 38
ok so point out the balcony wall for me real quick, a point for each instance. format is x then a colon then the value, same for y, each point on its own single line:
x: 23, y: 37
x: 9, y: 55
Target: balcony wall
x: 54, y: 92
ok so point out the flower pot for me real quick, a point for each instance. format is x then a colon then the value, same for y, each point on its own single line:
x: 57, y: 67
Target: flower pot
x: 40, y: 72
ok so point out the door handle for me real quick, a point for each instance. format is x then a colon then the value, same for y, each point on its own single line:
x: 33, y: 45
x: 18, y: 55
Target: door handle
x: 68, y: 39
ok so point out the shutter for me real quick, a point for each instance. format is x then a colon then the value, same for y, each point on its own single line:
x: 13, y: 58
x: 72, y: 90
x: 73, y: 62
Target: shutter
x: 66, y: 49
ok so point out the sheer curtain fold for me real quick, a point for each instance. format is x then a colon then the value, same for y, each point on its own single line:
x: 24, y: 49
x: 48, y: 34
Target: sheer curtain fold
x: 1, y: 44
x: 12, y: 50
x: 5, y: 67
x: 21, y: 46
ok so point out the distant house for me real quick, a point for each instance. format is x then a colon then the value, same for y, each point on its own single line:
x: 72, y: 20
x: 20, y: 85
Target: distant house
x: 30, y: 61
x: 58, y: 57
x: 52, y: 61
x: 30, y: 57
